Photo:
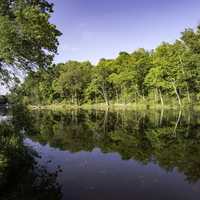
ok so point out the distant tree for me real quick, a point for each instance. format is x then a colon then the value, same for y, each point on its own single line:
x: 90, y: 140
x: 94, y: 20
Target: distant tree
x: 130, y: 72
x: 142, y: 63
x: 73, y: 79
x: 100, y: 83
x: 191, y: 59
x: 168, y: 74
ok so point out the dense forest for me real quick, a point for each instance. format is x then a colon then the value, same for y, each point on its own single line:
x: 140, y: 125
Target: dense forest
x: 168, y: 74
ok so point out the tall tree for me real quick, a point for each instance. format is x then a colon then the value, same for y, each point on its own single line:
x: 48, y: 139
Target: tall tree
x: 168, y: 75
x: 73, y: 79
x: 27, y: 39
x: 100, y: 83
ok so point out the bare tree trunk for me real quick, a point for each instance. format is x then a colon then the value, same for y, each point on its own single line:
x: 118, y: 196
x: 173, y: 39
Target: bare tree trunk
x: 177, y: 94
x: 161, y: 98
x: 104, y: 94
x: 106, y: 99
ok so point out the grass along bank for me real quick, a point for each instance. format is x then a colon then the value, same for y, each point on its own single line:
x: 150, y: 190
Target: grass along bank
x: 114, y: 106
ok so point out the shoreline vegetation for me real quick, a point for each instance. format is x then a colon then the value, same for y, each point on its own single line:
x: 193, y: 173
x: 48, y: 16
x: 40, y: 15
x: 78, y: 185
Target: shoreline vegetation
x: 114, y: 106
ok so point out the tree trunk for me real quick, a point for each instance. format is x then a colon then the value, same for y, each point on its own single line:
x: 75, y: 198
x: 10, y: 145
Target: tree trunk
x: 105, y: 96
x: 177, y: 94
x: 161, y: 98
x: 106, y: 99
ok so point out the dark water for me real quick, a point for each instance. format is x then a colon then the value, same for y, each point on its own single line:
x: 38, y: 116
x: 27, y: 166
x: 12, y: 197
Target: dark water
x: 100, y: 155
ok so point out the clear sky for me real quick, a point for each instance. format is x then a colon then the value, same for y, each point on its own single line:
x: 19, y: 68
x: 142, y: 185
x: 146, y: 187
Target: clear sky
x: 93, y: 29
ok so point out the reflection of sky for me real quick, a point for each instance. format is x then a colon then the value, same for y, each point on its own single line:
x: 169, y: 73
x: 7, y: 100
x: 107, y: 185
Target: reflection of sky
x: 93, y: 29
x: 3, y: 90
x: 97, y: 175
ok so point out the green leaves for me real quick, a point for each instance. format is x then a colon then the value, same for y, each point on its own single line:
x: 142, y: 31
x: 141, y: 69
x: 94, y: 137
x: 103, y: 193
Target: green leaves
x: 72, y: 80
x: 27, y: 39
x: 170, y: 71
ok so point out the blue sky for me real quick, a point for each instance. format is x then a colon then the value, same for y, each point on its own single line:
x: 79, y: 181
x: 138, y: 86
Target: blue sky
x: 93, y: 29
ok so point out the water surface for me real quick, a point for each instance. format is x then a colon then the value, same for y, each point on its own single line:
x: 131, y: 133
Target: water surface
x: 111, y: 155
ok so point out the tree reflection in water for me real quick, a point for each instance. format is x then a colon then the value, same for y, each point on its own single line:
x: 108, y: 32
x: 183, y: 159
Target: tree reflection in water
x: 21, y: 177
x: 169, y: 138
x: 166, y: 138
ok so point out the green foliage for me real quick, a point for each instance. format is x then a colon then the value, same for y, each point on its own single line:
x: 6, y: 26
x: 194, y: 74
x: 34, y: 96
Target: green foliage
x: 72, y: 80
x: 27, y: 38
x: 171, y: 71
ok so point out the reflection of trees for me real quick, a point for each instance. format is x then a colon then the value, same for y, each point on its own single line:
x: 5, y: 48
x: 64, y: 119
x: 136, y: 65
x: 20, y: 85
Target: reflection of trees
x: 20, y: 176
x: 134, y: 135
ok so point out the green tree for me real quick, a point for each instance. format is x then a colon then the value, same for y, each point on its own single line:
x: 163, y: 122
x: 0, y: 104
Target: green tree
x: 191, y: 59
x: 122, y: 77
x: 27, y: 39
x: 168, y: 74
x: 100, y: 84
x: 73, y: 79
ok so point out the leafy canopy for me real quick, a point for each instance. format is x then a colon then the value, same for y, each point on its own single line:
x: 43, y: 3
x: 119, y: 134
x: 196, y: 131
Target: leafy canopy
x: 27, y: 39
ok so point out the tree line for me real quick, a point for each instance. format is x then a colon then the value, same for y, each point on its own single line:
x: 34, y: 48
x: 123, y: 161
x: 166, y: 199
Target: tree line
x: 169, y: 72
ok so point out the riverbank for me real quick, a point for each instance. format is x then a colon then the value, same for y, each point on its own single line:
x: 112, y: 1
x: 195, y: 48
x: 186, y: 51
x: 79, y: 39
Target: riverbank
x: 102, y: 106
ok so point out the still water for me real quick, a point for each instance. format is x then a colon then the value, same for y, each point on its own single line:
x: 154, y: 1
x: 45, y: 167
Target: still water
x: 100, y: 155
